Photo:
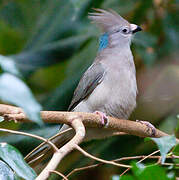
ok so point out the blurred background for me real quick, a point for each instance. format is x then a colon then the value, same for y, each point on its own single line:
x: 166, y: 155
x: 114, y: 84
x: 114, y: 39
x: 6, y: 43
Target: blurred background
x: 52, y: 43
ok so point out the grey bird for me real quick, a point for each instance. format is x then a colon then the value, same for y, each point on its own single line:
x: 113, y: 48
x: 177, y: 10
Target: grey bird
x: 109, y: 85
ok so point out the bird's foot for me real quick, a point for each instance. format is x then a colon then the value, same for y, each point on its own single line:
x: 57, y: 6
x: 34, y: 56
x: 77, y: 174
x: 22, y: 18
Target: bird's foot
x: 149, y: 125
x: 104, y: 118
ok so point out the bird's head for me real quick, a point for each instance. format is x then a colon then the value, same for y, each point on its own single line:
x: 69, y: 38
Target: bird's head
x: 117, y: 31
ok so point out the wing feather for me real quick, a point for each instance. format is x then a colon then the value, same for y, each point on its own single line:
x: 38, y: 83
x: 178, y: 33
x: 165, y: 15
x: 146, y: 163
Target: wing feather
x: 91, y: 78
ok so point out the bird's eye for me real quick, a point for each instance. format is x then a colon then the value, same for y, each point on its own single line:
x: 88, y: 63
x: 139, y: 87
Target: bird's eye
x: 125, y: 30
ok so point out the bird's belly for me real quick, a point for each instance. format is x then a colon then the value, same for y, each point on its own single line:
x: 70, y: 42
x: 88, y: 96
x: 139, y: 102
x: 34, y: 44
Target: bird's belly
x: 117, y: 98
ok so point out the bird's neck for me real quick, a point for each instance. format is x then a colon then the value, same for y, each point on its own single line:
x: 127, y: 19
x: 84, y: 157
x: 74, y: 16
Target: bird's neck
x: 119, y: 53
x: 105, y: 41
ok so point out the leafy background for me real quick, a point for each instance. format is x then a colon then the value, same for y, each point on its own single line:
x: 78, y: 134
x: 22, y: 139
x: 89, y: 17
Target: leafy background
x: 45, y: 47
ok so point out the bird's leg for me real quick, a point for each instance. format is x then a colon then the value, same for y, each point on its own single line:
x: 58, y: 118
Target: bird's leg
x: 104, y: 118
x: 149, y: 125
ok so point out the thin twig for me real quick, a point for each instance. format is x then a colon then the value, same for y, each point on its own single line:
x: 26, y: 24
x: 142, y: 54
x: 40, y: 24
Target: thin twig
x: 83, y: 168
x: 174, y: 156
x: 59, y: 173
x: 135, y: 157
x: 170, y: 164
x: 35, y: 159
x: 30, y: 135
x: 141, y: 161
x: 50, y: 139
x: 98, y: 159
x: 159, y: 160
x: 143, y: 157
x: 155, y: 152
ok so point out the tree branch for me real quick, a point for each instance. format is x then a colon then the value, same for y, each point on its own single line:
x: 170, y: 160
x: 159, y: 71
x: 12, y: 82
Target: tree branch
x: 100, y: 160
x: 89, y: 120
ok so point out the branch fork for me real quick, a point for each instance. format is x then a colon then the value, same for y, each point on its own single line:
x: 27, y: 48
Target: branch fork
x: 79, y: 128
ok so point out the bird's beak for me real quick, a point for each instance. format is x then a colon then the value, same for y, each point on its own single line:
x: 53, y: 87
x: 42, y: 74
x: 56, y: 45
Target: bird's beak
x: 135, y: 28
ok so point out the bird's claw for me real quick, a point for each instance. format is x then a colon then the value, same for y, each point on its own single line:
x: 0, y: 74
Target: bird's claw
x: 149, y: 125
x: 104, y: 118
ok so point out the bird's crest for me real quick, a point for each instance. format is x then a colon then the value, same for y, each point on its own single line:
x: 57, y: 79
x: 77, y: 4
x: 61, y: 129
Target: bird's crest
x: 107, y: 20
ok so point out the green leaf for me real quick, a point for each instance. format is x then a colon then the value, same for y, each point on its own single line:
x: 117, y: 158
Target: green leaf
x: 49, y: 54
x: 165, y: 144
x: 177, y: 127
x: 60, y: 98
x: 11, y: 39
x: 52, y: 23
x: 8, y: 65
x: 150, y: 172
x: 15, y: 160
x: 176, y: 150
x: 137, y: 168
x: 176, y: 153
x: 13, y: 90
x: 6, y: 172
x: 127, y: 178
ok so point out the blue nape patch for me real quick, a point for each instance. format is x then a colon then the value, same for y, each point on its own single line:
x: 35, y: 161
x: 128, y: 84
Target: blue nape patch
x: 103, y: 41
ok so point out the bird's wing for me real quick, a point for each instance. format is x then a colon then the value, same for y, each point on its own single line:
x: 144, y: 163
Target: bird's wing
x: 91, y: 78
